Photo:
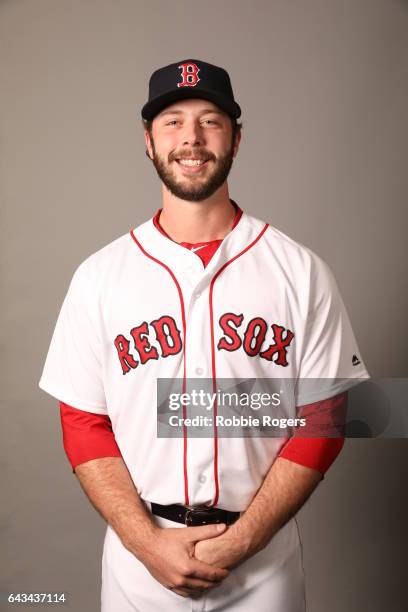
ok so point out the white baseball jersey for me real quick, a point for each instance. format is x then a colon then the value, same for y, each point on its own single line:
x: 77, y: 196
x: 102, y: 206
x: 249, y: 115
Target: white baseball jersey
x: 144, y: 308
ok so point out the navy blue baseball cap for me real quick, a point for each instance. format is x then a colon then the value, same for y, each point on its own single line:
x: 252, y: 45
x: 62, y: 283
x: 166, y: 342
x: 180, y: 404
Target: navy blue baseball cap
x: 190, y: 78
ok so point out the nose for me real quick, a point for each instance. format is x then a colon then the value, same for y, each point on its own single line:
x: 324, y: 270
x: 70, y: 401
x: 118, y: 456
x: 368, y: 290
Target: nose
x: 192, y: 134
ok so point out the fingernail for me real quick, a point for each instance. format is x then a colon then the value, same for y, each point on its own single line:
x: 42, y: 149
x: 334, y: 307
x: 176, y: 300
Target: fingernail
x: 221, y: 527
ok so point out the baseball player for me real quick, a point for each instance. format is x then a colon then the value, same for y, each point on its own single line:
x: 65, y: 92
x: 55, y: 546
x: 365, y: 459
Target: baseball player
x: 200, y: 290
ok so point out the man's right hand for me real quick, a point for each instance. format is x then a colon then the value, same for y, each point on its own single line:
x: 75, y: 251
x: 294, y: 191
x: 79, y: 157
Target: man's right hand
x: 169, y: 556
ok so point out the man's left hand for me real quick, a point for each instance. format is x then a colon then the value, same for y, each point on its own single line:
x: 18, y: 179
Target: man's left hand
x: 227, y: 550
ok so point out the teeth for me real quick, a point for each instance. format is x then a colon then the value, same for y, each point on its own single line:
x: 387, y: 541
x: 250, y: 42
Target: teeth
x: 191, y: 162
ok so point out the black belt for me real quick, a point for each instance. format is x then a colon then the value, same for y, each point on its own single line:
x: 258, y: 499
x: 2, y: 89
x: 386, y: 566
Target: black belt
x: 194, y: 515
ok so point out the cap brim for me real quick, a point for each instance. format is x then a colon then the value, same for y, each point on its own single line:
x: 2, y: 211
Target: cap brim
x: 152, y: 108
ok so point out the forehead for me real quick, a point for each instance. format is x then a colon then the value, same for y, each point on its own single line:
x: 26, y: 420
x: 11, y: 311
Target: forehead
x: 192, y: 106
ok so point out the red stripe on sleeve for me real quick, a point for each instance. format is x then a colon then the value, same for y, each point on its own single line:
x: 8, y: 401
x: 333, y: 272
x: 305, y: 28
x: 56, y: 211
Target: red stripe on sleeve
x: 86, y: 435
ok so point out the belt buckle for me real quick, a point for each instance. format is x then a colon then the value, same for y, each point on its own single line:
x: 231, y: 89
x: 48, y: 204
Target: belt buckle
x: 188, y: 519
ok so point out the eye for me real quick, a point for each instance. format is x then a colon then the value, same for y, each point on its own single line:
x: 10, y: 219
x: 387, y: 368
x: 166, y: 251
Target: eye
x: 209, y: 121
x: 172, y: 122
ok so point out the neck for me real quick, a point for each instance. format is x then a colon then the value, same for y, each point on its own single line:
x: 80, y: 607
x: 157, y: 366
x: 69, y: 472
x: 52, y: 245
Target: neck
x: 186, y: 221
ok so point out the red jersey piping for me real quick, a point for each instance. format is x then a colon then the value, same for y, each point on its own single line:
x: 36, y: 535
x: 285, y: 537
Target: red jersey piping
x: 213, y: 368
x: 183, y: 318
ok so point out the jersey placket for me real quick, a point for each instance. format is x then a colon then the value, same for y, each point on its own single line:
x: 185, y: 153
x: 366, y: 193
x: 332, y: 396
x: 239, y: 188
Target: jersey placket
x: 200, y: 450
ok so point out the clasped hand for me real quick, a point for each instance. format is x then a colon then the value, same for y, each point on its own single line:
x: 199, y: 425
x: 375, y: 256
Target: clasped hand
x: 226, y: 550
x: 191, y: 560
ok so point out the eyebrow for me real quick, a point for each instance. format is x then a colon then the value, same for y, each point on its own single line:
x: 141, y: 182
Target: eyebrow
x: 180, y: 112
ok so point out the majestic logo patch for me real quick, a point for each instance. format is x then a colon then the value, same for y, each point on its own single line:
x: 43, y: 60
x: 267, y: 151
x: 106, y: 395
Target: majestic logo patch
x: 355, y: 361
x: 189, y: 75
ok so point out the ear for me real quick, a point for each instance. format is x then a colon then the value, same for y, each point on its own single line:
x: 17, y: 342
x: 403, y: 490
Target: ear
x: 236, y: 143
x: 149, y: 149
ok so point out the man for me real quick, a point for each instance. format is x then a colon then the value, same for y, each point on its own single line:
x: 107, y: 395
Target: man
x: 201, y: 290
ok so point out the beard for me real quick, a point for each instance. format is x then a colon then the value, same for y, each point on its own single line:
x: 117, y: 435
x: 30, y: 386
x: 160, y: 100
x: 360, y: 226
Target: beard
x: 194, y: 188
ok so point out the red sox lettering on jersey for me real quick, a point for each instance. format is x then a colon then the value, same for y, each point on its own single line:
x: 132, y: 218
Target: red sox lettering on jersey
x: 169, y: 341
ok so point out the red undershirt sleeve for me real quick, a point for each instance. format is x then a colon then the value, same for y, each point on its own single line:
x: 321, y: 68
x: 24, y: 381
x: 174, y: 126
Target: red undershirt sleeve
x: 318, y: 452
x: 86, y: 435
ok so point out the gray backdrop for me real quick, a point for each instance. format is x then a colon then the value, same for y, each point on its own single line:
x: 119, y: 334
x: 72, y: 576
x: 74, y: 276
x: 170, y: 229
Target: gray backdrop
x: 323, y: 88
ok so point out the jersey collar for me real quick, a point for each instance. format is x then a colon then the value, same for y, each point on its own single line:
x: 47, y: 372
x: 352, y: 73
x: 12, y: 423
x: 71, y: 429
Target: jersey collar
x: 184, y: 262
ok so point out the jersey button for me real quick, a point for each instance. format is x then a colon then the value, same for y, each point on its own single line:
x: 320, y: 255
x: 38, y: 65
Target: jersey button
x: 202, y: 478
x: 199, y: 371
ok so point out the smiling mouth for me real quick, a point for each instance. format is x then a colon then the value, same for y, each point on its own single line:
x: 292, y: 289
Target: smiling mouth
x: 191, y: 162
x: 192, y: 165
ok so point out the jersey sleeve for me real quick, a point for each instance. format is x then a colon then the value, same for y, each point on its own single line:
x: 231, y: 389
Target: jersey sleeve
x: 330, y: 360
x: 73, y: 367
